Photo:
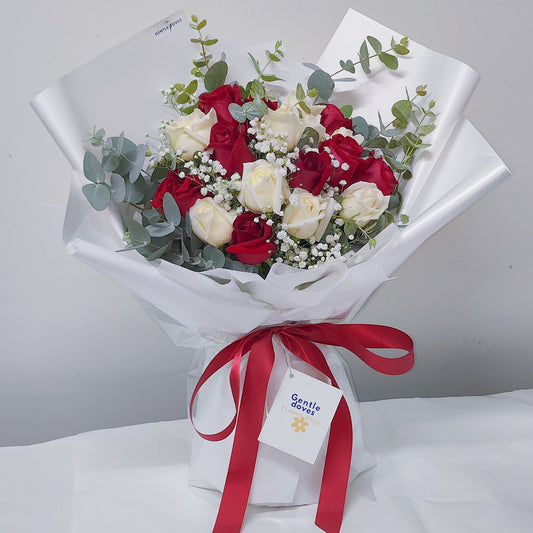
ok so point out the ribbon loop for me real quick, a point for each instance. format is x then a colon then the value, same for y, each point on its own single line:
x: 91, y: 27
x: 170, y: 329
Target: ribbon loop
x: 301, y: 340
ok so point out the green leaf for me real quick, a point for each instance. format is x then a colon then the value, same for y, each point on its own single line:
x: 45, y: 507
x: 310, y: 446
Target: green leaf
x: 360, y: 126
x: 300, y: 93
x: 135, y: 191
x: 138, y: 233
x: 375, y: 44
x: 129, y: 153
x: 237, y: 112
x: 137, y: 166
x: 210, y: 42
x: 159, y: 252
x: 171, y: 209
x: 312, y: 66
x: 400, y: 49
x: 160, y: 229
x: 216, y: 256
x: 395, y: 201
x: 159, y: 173
x: 322, y: 82
x: 98, y: 195
x: 110, y: 162
x: 309, y: 138
x: 404, y: 219
x: 305, y: 108
x: 182, y: 98
x: 348, y: 66
x: 425, y: 130
x: 191, y: 88
x: 201, y: 25
x: 346, y: 111
x: 118, y: 188
x: 270, y: 77
x: 363, y: 57
x: 92, y: 169
x: 402, y: 110
x: 350, y: 228
x: 273, y: 57
x: 255, y: 63
x: 388, y: 60
x: 216, y: 75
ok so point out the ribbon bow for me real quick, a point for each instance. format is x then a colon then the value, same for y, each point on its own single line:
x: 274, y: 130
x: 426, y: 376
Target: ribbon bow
x: 248, y: 419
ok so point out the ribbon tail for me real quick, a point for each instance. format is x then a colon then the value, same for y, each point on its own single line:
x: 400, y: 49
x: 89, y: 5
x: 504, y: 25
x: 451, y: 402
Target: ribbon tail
x: 336, y: 472
x: 245, y: 445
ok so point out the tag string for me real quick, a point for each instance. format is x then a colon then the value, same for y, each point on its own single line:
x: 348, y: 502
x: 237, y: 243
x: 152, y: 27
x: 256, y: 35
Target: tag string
x: 249, y: 407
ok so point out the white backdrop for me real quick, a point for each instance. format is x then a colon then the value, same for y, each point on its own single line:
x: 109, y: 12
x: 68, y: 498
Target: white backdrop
x: 77, y: 352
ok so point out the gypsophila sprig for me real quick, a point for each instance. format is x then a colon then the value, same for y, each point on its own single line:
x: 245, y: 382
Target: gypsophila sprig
x: 243, y: 179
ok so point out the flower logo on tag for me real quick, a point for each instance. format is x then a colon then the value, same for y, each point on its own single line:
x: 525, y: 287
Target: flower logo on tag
x: 299, y: 424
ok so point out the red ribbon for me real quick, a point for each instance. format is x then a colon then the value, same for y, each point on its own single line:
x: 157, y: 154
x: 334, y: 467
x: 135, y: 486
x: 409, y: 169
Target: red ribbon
x: 249, y: 410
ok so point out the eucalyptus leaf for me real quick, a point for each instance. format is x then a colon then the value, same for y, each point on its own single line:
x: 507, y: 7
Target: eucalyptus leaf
x: 160, y: 229
x: 152, y: 215
x: 350, y: 228
x: 360, y: 126
x: 216, y: 75
x: 92, y: 169
x: 135, y: 191
x: 110, y: 162
x: 346, y: 111
x: 98, y: 195
x: 309, y: 138
x: 322, y: 82
x: 138, y: 233
x: 388, y: 60
x: 312, y: 66
x: 137, y: 166
x: 171, y: 209
x: 216, y: 256
x: 118, y: 188
x: 237, y: 112
x: 364, y: 58
x: 159, y: 252
x: 375, y: 44
x: 402, y: 109
x: 129, y: 154
x: 159, y: 173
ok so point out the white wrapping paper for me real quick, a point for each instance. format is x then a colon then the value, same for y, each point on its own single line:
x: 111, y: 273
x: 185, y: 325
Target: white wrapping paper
x: 207, y: 310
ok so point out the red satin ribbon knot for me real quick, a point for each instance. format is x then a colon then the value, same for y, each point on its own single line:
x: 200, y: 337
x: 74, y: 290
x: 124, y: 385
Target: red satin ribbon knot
x: 249, y: 409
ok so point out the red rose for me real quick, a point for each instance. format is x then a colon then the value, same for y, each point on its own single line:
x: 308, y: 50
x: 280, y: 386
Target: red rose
x: 184, y: 190
x: 376, y: 171
x: 251, y: 241
x: 332, y: 119
x: 347, y: 152
x: 219, y: 99
x: 313, y: 172
x: 230, y: 146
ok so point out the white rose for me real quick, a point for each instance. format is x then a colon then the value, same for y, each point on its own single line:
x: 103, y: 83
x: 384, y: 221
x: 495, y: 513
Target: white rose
x: 211, y: 222
x: 190, y: 133
x: 285, y: 123
x: 307, y: 215
x: 264, y: 188
x: 345, y: 132
x: 363, y: 202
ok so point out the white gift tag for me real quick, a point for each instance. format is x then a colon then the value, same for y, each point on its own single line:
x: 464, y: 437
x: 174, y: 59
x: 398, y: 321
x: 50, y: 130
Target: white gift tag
x: 300, y: 416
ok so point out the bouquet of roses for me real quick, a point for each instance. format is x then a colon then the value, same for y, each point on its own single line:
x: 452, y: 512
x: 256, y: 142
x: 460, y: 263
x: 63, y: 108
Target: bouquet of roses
x: 301, y: 200
x: 244, y: 178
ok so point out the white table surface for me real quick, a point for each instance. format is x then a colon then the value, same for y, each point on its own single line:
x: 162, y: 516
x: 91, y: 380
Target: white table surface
x: 449, y: 465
